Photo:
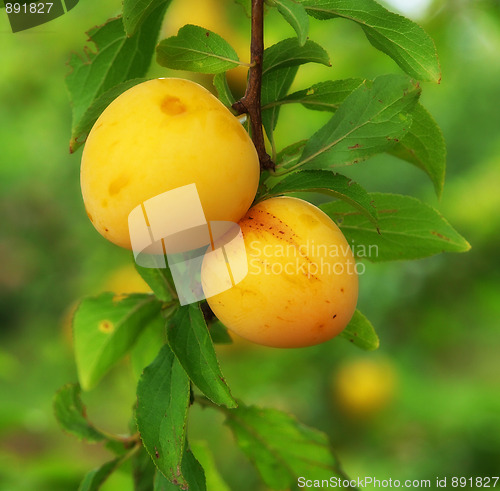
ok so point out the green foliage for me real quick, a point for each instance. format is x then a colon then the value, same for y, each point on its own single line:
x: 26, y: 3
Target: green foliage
x: 361, y: 333
x: 325, y: 96
x: 223, y: 90
x: 281, y: 448
x: 289, y: 52
x: 143, y: 470
x: 171, y: 347
x: 159, y: 280
x: 198, y: 50
x: 218, y: 332
x: 370, y: 120
x: 105, y: 328
x: 275, y: 85
x: 424, y: 147
x: 295, y: 14
x: 191, y: 468
x: 71, y: 415
x: 136, y: 12
x: 162, y: 405
x: 117, y: 59
x: 191, y: 342
x: 408, y: 229
x: 246, y: 5
x: 400, y: 38
x: 96, y: 478
x: 328, y: 182
x: 146, y: 348
x: 202, y: 452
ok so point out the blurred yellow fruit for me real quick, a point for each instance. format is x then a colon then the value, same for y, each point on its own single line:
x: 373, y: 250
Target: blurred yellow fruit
x: 212, y: 15
x: 160, y: 135
x: 363, y: 387
x: 125, y: 280
x: 301, y: 288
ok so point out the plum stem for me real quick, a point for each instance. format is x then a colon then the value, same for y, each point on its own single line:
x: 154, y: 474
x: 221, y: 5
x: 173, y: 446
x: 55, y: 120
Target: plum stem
x: 250, y: 103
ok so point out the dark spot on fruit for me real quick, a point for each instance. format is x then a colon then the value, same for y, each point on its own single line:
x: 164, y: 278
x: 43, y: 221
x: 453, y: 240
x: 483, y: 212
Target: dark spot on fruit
x: 335, y: 315
x: 118, y: 184
x: 342, y: 290
x: 172, y: 106
x: 106, y: 229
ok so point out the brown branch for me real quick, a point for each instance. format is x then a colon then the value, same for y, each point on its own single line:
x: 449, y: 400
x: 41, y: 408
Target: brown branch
x: 250, y: 103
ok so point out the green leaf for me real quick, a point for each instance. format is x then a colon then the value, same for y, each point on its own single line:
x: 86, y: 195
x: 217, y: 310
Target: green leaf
x: 159, y: 280
x: 135, y: 12
x: 371, y: 120
x: 117, y: 58
x: 275, y: 85
x: 218, y: 332
x: 280, y: 447
x: 325, y: 96
x: 202, y: 452
x: 424, y: 146
x: 80, y: 131
x: 361, y: 333
x: 223, y: 90
x: 328, y: 182
x: 194, y: 472
x: 400, y: 38
x: 191, y: 469
x: 162, y: 406
x: 246, y: 5
x: 148, y: 345
x: 295, y: 14
x: 197, y: 50
x: 289, y: 52
x: 143, y: 470
x: 289, y: 156
x: 189, y: 339
x: 96, y: 478
x: 409, y: 229
x: 105, y: 328
x: 71, y: 414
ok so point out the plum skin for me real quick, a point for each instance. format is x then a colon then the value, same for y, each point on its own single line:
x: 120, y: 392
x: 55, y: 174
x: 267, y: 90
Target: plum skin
x: 160, y: 135
x: 302, y: 286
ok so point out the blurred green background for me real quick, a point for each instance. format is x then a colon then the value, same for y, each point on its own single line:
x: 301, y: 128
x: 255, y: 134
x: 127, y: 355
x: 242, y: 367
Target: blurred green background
x: 426, y: 404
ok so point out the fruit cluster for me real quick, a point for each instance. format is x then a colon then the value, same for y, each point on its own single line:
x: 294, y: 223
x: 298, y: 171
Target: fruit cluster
x: 166, y: 133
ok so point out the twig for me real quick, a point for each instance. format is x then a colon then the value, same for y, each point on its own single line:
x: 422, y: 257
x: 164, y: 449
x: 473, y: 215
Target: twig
x: 251, y: 101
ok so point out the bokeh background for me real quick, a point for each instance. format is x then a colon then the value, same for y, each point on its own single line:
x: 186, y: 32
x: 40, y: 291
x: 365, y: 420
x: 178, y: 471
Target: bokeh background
x: 426, y: 404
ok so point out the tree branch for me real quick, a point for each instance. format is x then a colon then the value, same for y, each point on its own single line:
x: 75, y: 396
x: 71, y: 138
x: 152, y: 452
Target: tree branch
x: 250, y: 103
